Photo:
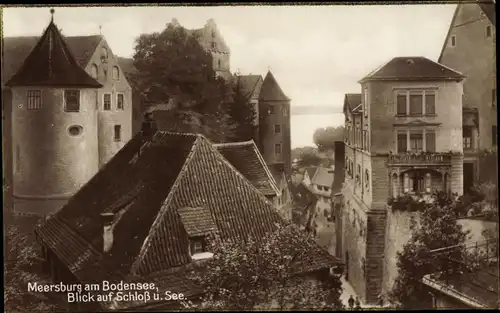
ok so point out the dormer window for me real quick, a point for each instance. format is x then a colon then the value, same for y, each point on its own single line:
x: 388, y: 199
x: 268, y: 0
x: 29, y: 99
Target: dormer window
x: 196, y: 246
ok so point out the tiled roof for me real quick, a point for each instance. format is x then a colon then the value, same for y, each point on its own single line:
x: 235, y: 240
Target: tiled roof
x: 247, y: 160
x: 323, y: 177
x: 271, y: 91
x: 413, y: 68
x: 351, y: 101
x: 149, y: 193
x: 16, y: 49
x: 248, y: 83
x: 197, y: 221
x: 51, y: 63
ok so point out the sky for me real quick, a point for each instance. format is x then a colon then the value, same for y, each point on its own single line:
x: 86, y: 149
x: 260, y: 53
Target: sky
x: 317, y: 53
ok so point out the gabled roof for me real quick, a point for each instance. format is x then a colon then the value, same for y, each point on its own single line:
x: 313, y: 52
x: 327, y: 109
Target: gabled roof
x: 488, y: 7
x: 51, y: 63
x: 413, y: 68
x: 271, y: 91
x: 149, y: 186
x: 351, y: 101
x: 301, y: 195
x: 247, y: 160
x: 323, y: 177
x: 248, y: 83
x: 17, y: 49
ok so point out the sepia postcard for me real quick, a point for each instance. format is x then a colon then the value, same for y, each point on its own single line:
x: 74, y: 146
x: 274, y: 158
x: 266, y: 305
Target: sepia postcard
x: 250, y: 156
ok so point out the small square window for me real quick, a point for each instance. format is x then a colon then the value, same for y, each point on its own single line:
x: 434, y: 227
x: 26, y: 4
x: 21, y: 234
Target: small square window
x: 196, y: 246
x: 72, y: 100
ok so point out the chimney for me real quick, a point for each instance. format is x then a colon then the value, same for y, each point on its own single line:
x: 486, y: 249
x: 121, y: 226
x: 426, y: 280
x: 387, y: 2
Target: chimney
x: 149, y: 127
x: 339, y: 170
x: 107, y: 235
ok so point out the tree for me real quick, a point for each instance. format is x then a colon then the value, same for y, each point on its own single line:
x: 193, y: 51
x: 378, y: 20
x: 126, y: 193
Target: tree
x: 309, y: 158
x: 20, y: 269
x: 174, y: 71
x: 325, y: 138
x: 245, y: 275
x: 243, y: 115
x: 438, y: 229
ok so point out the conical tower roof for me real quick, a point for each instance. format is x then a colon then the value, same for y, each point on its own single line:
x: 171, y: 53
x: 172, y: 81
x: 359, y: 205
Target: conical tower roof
x: 271, y: 91
x: 52, y: 64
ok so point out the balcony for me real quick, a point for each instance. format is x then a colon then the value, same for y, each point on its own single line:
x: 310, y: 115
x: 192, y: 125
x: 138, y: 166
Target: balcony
x: 424, y: 158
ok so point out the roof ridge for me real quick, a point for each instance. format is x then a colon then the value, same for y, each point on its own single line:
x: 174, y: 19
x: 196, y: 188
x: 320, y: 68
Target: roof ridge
x: 159, y: 217
x: 233, y: 144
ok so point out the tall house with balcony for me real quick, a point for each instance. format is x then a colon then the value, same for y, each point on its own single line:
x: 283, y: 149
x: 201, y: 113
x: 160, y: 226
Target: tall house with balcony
x: 404, y: 135
x: 470, y: 48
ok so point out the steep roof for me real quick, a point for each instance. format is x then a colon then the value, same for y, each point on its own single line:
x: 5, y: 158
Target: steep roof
x: 413, y: 68
x: 351, y: 101
x: 248, y: 83
x: 16, y: 50
x: 271, y: 91
x: 51, y: 63
x: 153, y: 189
x: 246, y: 158
x: 301, y: 195
x: 487, y: 7
x: 323, y: 177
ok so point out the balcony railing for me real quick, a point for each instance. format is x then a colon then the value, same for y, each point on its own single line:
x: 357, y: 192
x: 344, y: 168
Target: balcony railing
x: 419, y: 158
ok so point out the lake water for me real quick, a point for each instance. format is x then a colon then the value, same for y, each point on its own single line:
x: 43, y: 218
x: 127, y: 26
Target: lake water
x: 304, y: 125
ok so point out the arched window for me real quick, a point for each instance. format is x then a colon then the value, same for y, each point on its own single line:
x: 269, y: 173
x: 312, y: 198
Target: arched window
x: 94, y: 71
x: 104, y: 54
x: 116, y: 73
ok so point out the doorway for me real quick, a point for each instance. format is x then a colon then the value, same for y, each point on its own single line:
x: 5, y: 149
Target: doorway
x: 468, y: 177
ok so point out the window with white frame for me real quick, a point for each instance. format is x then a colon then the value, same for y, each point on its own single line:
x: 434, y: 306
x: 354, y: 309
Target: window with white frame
x: 119, y: 101
x: 34, y: 99
x: 467, y: 137
x: 416, y: 140
x: 415, y: 102
x: 72, y: 100
x: 106, y: 99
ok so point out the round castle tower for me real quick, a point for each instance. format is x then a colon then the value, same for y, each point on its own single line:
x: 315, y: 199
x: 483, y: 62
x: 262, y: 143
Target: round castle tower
x: 274, y: 125
x: 54, y: 131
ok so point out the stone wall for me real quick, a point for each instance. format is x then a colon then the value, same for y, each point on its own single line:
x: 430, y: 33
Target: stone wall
x: 375, y: 246
x: 398, y: 232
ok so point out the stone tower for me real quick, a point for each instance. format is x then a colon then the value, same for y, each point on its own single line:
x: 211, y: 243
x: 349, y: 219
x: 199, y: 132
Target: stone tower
x: 54, y: 129
x: 274, y: 125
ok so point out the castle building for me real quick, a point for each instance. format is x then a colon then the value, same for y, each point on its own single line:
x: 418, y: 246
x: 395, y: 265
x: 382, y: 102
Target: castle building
x: 404, y: 136
x: 470, y: 47
x: 67, y: 112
